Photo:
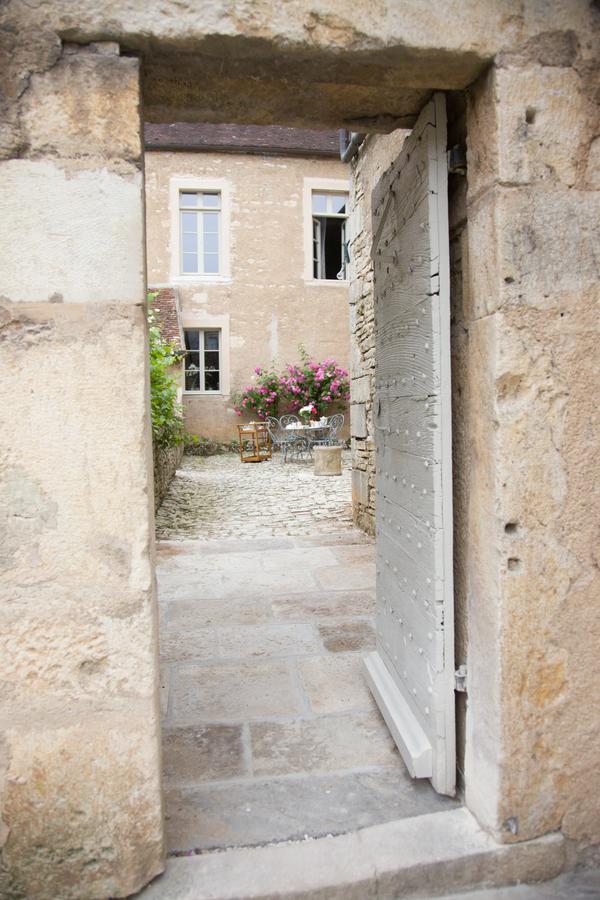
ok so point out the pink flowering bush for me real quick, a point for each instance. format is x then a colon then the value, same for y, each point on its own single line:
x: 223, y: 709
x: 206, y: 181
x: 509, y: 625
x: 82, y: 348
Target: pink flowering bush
x: 322, y: 386
x: 262, y: 398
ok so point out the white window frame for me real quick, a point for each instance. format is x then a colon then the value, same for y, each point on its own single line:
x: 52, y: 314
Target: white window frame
x: 201, y: 351
x: 318, y: 186
x: 177, y: 185
x: 208, y: 322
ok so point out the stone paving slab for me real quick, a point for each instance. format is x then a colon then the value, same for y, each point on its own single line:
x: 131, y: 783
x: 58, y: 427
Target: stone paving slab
x: 232, y: 691
x: 254, y: 813
x: 322, y: 744
x: 203, y: 611
x: 320, y: 604
x: 199, y: 753
x: 335, y: 684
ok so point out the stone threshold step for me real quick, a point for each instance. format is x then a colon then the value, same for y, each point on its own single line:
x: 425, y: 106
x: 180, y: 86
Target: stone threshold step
x: 424, y: 856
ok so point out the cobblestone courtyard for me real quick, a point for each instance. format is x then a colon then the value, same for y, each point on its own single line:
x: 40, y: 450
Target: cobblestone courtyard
x: 218, y: 496
x: 269, y: 730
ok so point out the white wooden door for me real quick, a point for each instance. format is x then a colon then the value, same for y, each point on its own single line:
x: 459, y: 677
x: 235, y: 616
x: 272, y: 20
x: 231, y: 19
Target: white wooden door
x: 411, y: 673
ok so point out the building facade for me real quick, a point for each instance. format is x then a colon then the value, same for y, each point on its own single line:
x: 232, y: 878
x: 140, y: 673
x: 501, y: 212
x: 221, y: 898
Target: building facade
x: 247, y: 225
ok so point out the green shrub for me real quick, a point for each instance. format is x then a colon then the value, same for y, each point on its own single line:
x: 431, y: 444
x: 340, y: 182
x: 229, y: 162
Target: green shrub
x: 167, y: 414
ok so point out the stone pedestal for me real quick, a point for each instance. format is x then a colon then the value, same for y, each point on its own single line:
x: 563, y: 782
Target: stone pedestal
x: 328, y: 460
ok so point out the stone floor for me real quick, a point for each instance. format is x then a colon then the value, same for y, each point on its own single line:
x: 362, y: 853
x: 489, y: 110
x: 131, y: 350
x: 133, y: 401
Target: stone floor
x: 270, y: 733
x: 217, y: 496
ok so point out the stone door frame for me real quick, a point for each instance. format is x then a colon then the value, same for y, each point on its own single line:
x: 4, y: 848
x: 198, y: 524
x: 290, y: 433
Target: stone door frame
x: 82, y: 732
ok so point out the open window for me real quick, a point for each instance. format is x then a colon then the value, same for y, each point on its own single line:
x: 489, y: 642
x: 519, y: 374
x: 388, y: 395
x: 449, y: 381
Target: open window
x: 202, y: 360
x: 330, y: 254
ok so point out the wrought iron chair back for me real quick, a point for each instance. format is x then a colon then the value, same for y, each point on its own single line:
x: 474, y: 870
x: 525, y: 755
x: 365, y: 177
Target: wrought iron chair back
x: 288, y: 419
x: 335, y: 423
x: 288, y: 442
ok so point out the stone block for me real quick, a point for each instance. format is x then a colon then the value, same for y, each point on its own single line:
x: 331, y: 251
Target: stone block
x: 360, y: 389
x: 74, y: 778
x: 83, y: 201
x: 358, y: 420
x: 545, y: 123
x: 511, y: 260
x: 85, y: 108
x: 360, y: 487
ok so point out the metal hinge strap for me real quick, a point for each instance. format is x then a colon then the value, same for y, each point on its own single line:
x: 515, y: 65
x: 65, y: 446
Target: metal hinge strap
x: 460, y: 679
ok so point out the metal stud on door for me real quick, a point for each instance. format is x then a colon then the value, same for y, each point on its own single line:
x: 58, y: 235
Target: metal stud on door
x: 411, y: 673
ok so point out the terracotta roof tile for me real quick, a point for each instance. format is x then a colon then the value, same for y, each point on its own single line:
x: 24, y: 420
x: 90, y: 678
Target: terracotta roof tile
x: 166, y: 310
x: 272, y: 139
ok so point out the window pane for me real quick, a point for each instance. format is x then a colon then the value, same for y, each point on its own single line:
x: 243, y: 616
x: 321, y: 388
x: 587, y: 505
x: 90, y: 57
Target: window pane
x: 319, y: 203
x: 212, y: 199
x: 211, y: 340
x: 338, y: 203
x: 211, y: 223
x: 192, y: 338
x: 188, y: 198
x: 192, y: 381
x: 211, y: 243
x: 211, y: 263
x: 190, y: 263
x: 211, y: 361
x: 192, y: 361
x: 211, y: 381
x: 189, y: 242
x: 189, y: 222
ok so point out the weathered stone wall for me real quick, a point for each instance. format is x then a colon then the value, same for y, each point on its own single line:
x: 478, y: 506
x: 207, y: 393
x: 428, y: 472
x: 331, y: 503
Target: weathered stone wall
x: 531, y: 380
x: 166, y: 463
x: 375, y: 156
x: 80, y: 798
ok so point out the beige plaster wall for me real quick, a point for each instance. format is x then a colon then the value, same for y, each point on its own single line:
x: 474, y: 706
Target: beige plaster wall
x: 266, y: 307
x: 80, y: 793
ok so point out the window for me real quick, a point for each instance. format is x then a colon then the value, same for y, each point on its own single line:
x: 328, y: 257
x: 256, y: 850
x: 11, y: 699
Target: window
x: 202, y: 360
x: 330, y: 253
x: 199, y: 228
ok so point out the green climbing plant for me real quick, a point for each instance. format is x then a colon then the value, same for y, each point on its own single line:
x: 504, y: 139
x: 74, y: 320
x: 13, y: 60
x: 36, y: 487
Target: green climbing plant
x: 167, y: 414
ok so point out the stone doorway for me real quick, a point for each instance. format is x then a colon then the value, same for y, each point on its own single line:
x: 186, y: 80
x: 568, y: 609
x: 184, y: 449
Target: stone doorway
x: 269, y: 731
x: 80, y: 611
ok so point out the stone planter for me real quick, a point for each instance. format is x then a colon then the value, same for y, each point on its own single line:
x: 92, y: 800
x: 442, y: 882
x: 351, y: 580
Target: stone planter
x: 328, y: 460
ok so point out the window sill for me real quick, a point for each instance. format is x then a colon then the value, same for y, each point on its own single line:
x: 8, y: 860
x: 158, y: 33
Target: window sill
x: 320, y: 282
x: 200, y: 279
x: 204, y: 394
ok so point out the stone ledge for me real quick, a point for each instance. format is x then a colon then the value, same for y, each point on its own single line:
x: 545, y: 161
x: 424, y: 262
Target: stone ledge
x: 423, y: 856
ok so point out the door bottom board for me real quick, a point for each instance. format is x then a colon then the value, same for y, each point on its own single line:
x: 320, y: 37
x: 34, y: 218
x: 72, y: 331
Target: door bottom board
x: 412, y: 742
